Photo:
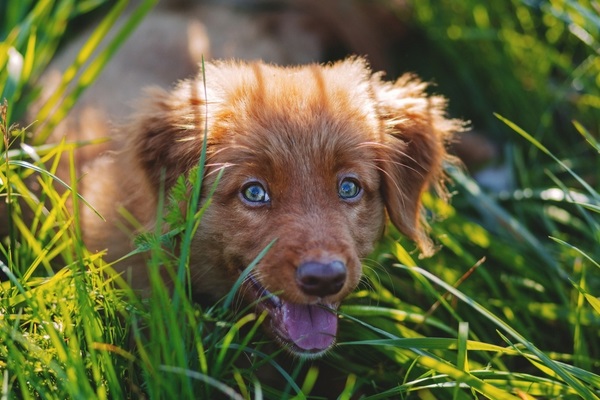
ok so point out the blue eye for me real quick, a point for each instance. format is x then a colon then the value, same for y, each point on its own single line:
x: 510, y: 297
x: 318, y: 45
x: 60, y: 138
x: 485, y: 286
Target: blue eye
x: 348, y: 189
x: 255, y: 193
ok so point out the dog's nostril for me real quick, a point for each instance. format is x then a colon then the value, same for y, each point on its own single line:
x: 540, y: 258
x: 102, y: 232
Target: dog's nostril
x: 319, y: 279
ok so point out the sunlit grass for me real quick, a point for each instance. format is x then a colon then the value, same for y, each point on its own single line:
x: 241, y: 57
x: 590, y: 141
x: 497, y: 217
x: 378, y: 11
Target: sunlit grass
x: 508, y: 308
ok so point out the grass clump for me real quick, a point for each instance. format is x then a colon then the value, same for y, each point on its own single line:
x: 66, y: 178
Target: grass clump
x: 508, y: 309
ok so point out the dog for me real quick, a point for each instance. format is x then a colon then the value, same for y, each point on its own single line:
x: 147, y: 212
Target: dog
x: 314, y: 159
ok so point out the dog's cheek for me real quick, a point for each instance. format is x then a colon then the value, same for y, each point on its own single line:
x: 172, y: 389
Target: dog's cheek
x: 211, y: 271
x: 369, y: 223
x: 366, y: 228
x: 209, y: 276
x: 228, y: 239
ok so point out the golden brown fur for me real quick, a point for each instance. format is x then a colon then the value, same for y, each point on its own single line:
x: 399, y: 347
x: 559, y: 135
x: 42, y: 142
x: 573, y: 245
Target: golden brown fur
x: 299, y: 133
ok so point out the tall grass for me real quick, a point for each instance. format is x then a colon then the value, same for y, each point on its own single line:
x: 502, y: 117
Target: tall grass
x: 508, y: 308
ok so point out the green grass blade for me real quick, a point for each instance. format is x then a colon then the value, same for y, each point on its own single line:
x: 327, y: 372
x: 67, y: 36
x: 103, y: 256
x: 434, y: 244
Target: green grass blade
x: 489, y: 391
x: 95, y: 67
x: 226, y: 390
x: 43, y: 171
x: 587, y: 135
x: 556, y: 368
x: 488, y: 206
x: 230, y: 296
x: 545, y: 150
x: 578, y: 250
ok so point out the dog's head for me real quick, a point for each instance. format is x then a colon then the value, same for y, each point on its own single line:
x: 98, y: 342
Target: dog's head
x: 312, y: 158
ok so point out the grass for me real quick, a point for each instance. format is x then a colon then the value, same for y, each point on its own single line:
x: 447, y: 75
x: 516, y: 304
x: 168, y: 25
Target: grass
x: 508, y: 308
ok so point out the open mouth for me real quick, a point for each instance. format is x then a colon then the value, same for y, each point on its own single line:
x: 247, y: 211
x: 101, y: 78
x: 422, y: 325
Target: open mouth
x: 307, y: 330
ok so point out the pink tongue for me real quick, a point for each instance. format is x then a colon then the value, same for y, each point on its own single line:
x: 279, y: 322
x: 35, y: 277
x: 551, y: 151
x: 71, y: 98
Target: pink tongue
x: 310, y: 327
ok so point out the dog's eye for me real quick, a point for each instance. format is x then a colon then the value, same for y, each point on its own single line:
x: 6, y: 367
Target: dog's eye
x: 255, y: 193
x: 348, y: 189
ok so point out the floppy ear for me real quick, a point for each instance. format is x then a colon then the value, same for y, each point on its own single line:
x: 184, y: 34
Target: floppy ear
x: 166, y: 135
x: 413, y: 152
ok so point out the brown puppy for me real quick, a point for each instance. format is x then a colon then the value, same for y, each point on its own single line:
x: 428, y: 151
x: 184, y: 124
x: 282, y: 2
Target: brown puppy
x: 312, y: 158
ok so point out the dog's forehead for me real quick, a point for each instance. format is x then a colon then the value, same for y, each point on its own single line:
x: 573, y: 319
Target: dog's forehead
x: 298, y: 105
x: 258, y: 92
x: 229, y: 76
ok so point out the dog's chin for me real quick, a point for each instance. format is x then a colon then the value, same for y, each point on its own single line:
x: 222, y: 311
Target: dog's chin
x: 305, y: 330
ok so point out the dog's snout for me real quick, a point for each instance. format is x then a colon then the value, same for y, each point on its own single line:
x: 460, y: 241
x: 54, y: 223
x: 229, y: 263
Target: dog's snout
x: 321, y: 279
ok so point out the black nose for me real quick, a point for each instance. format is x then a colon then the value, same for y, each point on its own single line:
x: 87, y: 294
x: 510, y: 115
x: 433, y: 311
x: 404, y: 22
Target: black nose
x: 318, y: 279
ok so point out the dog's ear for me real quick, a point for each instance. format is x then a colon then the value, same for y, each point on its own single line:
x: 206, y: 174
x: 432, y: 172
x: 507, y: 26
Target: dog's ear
x: 167, y: 133
x: 413, y: 151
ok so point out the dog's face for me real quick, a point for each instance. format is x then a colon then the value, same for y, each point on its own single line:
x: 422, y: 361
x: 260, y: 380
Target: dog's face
x: 311, y: 158
x: 300, y: 170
